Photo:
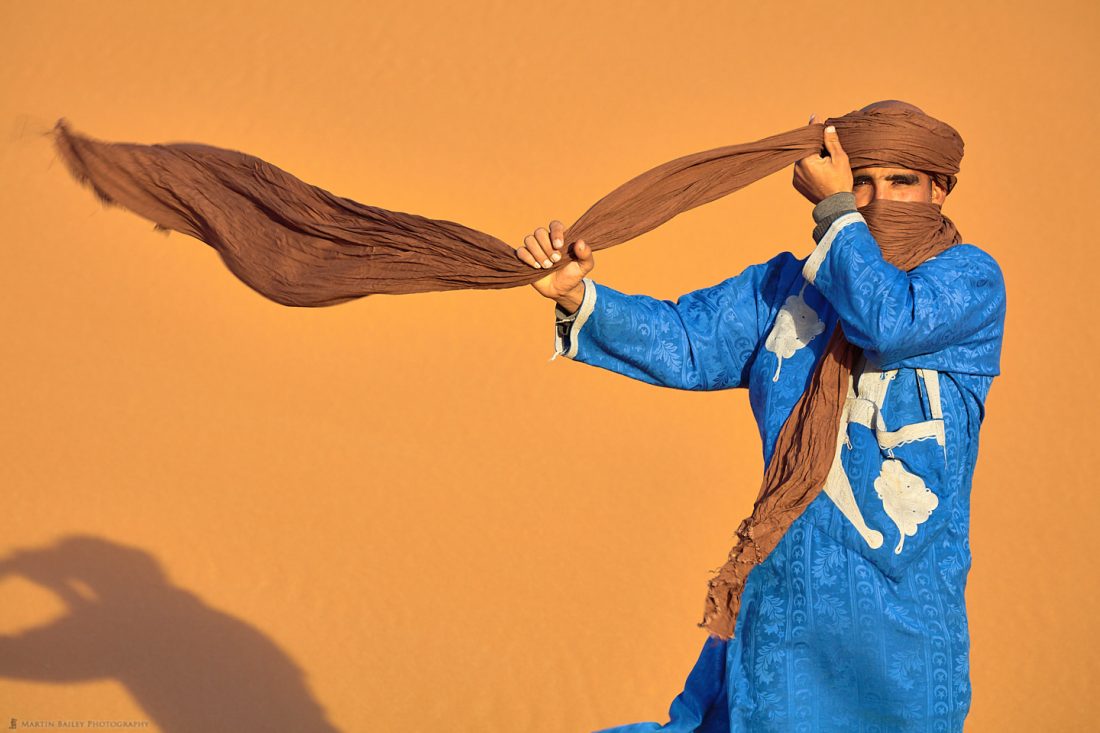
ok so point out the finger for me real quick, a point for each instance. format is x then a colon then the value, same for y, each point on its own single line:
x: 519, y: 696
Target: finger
x: 832, y: 143
x: 527, y: 257
x: 543, y: 237
x: 557, y: 234
x: 812, y: 117
x: 535, y: 249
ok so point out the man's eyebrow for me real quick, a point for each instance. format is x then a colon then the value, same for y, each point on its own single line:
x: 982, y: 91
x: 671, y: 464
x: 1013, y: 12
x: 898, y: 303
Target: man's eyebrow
x: 903, y: 177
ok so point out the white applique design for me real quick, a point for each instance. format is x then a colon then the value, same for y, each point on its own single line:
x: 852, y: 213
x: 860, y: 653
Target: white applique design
x: 840, y: 491
x: 796, y: 325
x: 905, y: 498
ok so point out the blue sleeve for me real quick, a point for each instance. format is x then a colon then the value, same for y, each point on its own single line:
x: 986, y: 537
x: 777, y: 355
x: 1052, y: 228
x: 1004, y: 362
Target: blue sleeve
x: 947, y: 313
x: 704, y: 340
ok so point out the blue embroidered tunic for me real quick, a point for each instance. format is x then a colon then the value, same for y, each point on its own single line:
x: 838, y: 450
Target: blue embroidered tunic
x: 857, y: 620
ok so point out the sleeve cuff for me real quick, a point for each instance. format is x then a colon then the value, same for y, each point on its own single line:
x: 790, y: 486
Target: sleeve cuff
x: 560, y: 316
x: 817, y: 257
x: 830, y: 209
x: 568, y: 326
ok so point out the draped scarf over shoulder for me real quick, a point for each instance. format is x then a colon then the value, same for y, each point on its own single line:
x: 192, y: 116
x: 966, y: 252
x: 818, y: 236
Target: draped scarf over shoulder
x: 300, y: 245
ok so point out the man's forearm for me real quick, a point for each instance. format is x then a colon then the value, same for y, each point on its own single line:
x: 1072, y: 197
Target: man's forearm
x: 952, y: 299
x: 702, y: 341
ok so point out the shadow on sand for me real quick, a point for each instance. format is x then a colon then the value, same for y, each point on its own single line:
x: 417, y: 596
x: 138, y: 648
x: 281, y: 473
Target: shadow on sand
x: 192, y: 668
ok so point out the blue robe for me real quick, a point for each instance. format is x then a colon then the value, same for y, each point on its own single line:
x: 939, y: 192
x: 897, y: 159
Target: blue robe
x: 857, y: 620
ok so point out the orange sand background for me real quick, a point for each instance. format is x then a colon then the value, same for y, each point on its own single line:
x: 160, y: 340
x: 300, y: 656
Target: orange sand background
x: 356, y: 509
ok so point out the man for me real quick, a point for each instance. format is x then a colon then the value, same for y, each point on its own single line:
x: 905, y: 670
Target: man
x: 856, y: 620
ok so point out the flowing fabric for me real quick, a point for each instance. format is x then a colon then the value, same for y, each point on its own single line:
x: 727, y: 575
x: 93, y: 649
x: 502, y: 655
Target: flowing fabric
x: 300, y: 245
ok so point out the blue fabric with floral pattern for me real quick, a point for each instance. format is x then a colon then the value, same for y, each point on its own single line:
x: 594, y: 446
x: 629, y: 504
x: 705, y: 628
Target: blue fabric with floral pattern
x: 857, y: 620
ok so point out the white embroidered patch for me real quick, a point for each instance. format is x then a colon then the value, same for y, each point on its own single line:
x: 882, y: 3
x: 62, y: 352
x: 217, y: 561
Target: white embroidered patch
x: 839, y: 490
x: 905, y: 498
x: 796, y: 325
x: 837, y: 486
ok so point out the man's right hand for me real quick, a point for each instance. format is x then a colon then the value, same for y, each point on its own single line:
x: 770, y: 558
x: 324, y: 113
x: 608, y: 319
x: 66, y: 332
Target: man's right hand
x: 542, y: 249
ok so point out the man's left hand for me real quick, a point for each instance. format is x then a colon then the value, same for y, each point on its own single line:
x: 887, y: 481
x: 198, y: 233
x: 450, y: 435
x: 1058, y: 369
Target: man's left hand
x: 819, y: 176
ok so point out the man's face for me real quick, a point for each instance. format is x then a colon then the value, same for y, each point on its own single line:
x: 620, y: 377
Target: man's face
x: 895, y: 184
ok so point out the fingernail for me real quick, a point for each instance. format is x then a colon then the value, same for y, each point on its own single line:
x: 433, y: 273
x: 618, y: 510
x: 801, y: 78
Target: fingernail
x: 556, y: 256
x: 557, y: 242
x: 547, y: 263
x: 830, y: 129
x: 538, y: 265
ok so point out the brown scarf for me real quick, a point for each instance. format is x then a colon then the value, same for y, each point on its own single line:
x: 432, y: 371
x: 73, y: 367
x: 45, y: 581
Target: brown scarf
x: 300, y: 245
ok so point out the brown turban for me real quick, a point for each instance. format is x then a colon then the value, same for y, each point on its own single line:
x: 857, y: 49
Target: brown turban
x: 300, y: 245
x: 905, y: 137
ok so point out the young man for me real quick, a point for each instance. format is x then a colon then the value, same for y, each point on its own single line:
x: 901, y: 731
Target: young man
x: 856, y: 619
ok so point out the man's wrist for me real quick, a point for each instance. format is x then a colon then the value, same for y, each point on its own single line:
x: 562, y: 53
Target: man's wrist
x: 570, y: 302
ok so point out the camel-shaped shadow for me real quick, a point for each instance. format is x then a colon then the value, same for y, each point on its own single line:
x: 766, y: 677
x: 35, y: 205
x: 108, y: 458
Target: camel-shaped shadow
x: 191, y: 667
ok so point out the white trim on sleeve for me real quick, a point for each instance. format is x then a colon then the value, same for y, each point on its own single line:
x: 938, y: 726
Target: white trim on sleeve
x: 576, y: 321
x: 813, y: 262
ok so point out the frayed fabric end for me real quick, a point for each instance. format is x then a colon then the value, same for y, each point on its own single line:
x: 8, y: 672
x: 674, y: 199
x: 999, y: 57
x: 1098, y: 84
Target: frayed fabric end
x: 63, y: 144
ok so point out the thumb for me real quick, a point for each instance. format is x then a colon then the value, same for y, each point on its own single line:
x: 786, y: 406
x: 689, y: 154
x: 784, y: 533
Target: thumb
x: 584, y: 255
x: 832, y: 143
